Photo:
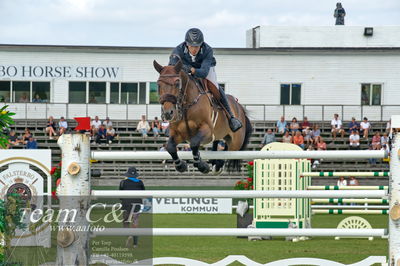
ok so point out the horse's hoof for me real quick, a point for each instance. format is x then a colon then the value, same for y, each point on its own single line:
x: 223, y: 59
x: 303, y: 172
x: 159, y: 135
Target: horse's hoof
x: 181, y: 167
x: 216, y: 170
x: 203, y: 167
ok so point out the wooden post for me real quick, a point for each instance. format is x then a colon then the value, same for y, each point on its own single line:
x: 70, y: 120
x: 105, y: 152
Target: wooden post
x: 394, y: 204
x: 74, y: 192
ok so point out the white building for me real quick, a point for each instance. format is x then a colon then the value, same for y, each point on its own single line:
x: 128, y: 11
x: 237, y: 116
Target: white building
x: 313, y: 71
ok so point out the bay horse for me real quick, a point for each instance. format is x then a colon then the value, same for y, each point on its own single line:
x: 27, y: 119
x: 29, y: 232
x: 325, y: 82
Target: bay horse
x: 194, y: 119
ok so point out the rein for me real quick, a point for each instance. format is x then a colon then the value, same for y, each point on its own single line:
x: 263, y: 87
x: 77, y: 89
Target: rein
x: 182, y: 107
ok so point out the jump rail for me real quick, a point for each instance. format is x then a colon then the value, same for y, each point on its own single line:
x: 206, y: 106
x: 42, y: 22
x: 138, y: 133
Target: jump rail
x: 239, y: 232
x: 359, y: 174
x: 238, y: 194
x: 244, y: 155
x: 347, y: 187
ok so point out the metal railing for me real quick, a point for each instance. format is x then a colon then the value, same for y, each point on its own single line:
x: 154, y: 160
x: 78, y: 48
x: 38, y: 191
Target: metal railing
x: 261, y: 112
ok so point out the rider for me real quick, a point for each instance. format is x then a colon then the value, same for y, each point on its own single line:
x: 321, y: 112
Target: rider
x: 198, y: 60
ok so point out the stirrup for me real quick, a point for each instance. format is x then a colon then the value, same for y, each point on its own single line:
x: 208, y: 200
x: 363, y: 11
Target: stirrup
x: 235, y: 124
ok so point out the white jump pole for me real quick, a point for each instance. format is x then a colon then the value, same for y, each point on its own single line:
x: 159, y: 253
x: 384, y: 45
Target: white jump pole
x: 341, y: 200
x: 394, y: 198
x: 238, y: 194
x: 239, y: 232
x: 347, y: 187
x: 351, y: 207
x: 244, y: 155
x: 357, y: 174
x: 340, y: 211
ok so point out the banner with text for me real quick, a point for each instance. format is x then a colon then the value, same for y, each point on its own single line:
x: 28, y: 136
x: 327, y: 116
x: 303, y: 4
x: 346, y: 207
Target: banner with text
x: 191, y: 205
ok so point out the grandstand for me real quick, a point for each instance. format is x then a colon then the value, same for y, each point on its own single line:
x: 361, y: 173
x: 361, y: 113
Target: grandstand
x: 157, y: 173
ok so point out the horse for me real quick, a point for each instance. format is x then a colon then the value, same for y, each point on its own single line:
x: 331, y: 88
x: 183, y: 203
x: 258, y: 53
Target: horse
x: 195, y: 119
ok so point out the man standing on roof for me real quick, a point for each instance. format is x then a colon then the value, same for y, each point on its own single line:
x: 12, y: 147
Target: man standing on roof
x: 198, y: 60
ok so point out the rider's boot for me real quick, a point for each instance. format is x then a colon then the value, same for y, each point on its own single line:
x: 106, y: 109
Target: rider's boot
x: 234, y: 123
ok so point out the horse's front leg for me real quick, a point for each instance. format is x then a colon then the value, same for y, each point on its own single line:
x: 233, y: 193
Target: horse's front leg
x: 204, y: 134
x: 180, y: 165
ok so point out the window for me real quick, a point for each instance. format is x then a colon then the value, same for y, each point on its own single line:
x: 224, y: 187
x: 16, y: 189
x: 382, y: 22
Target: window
x: 371, y: 94
x: 142, y: 93
x: 77, y: 92
x: 21, y: 91
x: 5, y: 91
x: 41, y: 92
x: 154, y: 92
x: 114, y: 92
x: 129, y: 93
x: 97, y: 92
x: 290, y: 94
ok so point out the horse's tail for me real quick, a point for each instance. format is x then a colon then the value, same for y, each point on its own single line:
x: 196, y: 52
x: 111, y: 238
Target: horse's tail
x: 236, y: 165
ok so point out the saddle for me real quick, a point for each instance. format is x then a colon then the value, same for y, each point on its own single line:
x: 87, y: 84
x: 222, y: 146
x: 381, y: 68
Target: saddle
x: 211, y: 91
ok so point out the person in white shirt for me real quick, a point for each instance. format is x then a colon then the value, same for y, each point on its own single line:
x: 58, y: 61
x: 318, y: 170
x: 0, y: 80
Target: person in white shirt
x: 354, y: 140
x: 337, y: 126
x: 143, y: 127
x: 341, y: 182
x: 107, y: 123
x: 62, y: 125
x: 365, y: 127
x: 165, y: 127
x: 96, y: 123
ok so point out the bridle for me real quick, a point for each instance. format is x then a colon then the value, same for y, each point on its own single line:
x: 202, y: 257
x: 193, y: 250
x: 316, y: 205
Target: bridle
x: 181, y: 106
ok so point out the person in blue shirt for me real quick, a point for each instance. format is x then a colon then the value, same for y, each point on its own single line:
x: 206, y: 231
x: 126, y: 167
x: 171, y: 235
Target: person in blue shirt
x: 101, y: 134
x: 353, y: 125
x: 198, y: 60
x: 31, y: 144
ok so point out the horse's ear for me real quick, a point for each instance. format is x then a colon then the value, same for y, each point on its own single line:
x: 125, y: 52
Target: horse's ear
x: 157, y: 66
x: 178, y: 66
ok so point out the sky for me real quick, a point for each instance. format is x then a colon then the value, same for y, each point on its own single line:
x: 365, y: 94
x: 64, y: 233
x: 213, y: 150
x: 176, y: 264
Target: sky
x: 163, y: 23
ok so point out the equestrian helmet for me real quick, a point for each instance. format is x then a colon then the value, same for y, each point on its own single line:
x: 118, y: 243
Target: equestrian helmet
x: 194, y: 37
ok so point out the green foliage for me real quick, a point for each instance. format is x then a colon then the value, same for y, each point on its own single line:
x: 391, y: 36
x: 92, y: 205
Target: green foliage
x: 248, y: 183
x: 5, y: 122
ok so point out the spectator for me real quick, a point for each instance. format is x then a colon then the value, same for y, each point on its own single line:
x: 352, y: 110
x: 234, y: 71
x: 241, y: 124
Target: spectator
x: 294, y: 126
x: 23, y: 98
x: 320, y: 144
x: 371, y: 160
x: 25, y: 137
x: 62, y: 126
x: 186, y: 147
x: 13, y: 140
x: 31, y: 143
x: 165, y: 127
x: 110, y: 134
x: 51, y: 127
x: 268, y: 138
x: 107, y: 123
x: 365, y: 127
x: 101, y: 134
x: 376, y: 141
x: 37, y: 98
x: 353, y: 125
x: 337, y: 126
x: 92, y: 99
x: 287, y: 138
x: 298, y: 139
x: 95, y: 125
x: 308, y: 136
x: 316, y: 132
x: 164, y: 147
x: 385, y: 139
x: 143, y: 127
x: 354, y: 140
x: 131, y: 206
x: 281, y: 125
x: 353, y: 181
x: 305, y: 126
x: 156, y: 127
x: 341, y: 182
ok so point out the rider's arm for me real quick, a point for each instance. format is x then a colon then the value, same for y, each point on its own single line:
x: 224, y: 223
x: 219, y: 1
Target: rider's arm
x: 202, y: 72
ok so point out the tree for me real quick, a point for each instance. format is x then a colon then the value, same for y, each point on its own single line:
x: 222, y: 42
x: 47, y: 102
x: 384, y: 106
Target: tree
x: 5, y: 122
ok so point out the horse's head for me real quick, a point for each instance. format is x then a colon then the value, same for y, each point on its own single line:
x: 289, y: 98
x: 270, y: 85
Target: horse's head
x: 169, y: 86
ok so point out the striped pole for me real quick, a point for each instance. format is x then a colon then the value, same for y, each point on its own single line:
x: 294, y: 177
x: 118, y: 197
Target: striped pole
x: 352, y: 207
x: 344, y: 200
x: 358, y: 174
x: 341, y: 211
x: 347, y: 187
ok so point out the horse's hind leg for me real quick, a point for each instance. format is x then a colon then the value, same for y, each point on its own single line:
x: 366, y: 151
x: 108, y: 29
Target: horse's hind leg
x: 180, y: 165
x: 202, y: 134
x: 217, y: 165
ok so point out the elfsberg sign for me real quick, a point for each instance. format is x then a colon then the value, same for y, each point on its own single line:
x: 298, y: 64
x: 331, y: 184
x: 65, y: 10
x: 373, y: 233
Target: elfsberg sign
x: 59, y: 72
x: 191, y: 205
